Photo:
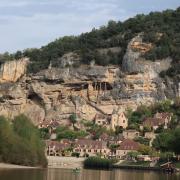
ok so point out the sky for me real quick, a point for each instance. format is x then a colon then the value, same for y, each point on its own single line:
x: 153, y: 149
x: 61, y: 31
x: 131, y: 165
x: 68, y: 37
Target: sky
x: 34, y: 23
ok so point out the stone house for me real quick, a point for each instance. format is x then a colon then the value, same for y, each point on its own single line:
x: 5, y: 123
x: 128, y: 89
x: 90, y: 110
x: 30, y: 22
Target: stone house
x: 55, y: 148
x: 91, y: 147
x: 118, y: 118
x: 51, y: 125
x: 159, y: 119
x: 101, y: 119
x: 130, y: 134
x: 126, y: 146
x: 166, y: 118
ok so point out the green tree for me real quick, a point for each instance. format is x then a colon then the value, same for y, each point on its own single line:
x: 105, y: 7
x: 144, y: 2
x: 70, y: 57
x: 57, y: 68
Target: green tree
x: 175, y: 142
x: 162, y: 141
x: 73, y: 119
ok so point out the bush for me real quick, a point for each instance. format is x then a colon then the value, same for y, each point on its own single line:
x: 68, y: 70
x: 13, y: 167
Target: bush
x: 97, y: 162
x: 75, y: 154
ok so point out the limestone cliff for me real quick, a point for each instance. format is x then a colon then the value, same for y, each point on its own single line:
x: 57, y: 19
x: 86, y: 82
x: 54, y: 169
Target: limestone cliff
x: 13, y: 70
x: 56, y: 93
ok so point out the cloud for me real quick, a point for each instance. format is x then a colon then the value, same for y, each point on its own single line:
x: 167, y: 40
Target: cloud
x: 33, y: 23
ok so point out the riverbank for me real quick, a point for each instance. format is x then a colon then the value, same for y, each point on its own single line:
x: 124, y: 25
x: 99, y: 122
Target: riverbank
x: 13, y: 166
x: 65, y: 162
x: 137, y: 167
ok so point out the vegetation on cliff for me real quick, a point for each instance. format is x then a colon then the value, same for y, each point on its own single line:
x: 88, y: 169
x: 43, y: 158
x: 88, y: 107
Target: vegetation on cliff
x: 161, y: 29
x: 136, y: 117
x: 20, y: 142
x: 167, y: 140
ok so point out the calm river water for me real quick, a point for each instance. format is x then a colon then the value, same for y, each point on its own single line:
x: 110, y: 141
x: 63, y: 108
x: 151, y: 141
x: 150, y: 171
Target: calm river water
x: 63, y: 174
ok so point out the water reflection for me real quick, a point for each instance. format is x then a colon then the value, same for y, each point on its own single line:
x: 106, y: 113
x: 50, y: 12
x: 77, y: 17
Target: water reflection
x: 65, y: 174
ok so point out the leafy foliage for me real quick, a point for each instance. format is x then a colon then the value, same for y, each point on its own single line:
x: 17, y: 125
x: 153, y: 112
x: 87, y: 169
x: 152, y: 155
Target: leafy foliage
x: 168, y: 141
x: 20, y: 143
x: 97, y: 162
x: 65, y: 133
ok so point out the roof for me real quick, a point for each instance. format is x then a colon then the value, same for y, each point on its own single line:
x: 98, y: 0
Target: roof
x: 163, y: 115
x: 100, y: 116
x: 57, y: 145
x: 47, y: 123
x: 104, y: 136
x: 90, y: 144
x: 131, y: 131
x: 153, y: 122
x: 128, y: 144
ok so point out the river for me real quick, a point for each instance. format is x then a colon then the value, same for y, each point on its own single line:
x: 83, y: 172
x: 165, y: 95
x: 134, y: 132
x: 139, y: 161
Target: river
x: 67, y: 174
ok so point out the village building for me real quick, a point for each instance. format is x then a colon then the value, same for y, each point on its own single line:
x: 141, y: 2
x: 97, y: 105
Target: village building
x: 125, y: 147
x: 101, y: 119
x: 159, y: 119
x: 116, y: 140
x: 104, y: 137
x: 118, y: 118
x: 51, y: 125
x: 91, y: 147
x: 165, y: 116
x: 55, y: 148
x: 130, y: 134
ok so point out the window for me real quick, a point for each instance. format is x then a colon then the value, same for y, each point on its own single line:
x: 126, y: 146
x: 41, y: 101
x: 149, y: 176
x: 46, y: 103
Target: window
x: 89, y: 150
x: 123, y: 121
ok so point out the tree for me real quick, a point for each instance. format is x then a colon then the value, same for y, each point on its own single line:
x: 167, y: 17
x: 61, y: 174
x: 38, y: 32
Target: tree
x: 73, y: 118
x: 133, y: 154
x: 142, y: 140
x: 145, y: 150
x: 18, y: 55
x: 162, y: 141
x: 175, y: 142
x: 20, y: 143
x: 118, y: 130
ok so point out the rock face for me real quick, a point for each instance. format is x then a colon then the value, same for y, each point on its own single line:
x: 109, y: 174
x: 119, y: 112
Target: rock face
x: 56, y: 93
x: 134, y: 63
x: 11, y: 71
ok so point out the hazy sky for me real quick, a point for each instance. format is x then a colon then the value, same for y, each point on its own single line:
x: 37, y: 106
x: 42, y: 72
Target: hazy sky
x: 33, y: 23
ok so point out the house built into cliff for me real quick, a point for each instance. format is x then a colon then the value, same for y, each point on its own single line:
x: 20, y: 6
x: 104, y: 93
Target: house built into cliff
x: 118, y: 118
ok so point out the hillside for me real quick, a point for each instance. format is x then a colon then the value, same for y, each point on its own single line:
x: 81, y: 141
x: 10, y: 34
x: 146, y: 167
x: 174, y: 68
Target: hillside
x: 107, y: 45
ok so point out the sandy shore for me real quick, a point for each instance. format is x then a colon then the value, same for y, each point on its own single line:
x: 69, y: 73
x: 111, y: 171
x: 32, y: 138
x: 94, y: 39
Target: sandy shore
x: 53, y: 162
x: 65, y: 162
x: 12, y: 166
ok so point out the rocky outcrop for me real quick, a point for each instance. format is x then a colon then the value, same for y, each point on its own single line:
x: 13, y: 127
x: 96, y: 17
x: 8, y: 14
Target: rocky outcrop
x: 87, y: 90
x: 11, y: 71
x: 134, y: 63
x: 69, y: 59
